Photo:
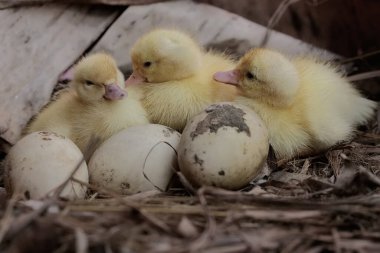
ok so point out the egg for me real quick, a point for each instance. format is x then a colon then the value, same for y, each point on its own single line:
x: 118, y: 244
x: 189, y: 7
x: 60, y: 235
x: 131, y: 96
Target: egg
x: 224, y: 146
x: 137, y: 159
x: 40, y: 162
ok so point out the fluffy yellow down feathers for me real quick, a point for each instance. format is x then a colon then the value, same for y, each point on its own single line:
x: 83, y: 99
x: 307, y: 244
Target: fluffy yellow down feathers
x: 177, y: 77
x: 307, y: 106
x: 95, y: 105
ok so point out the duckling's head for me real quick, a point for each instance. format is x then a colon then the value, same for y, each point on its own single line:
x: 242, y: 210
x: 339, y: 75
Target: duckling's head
x: 264, y: 75
x: 97, y: 78
x: 164, y: 55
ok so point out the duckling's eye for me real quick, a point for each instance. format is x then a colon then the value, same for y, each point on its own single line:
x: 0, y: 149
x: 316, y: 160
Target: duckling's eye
x: 250, y: 76
x: 147, y: 64
x: 88, y: 82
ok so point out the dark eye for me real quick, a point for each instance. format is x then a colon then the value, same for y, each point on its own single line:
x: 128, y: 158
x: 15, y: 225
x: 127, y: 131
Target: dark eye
x: 250, y: 76
x: 147, y: 64
x: 88, y: 82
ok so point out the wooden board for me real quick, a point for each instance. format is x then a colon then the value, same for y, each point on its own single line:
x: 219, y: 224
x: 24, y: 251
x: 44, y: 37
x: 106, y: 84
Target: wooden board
x: 12, y: 3
x: 211, y: 25
x: 345, y: 27
x: 37, y: 44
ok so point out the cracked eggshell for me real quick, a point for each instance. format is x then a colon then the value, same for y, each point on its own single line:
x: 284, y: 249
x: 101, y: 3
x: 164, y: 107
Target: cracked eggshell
x: 224, y: 146
x: 137, y: 159
x: 40, y: 162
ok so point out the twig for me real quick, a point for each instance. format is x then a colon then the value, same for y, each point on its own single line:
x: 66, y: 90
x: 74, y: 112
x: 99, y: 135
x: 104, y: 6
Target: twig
x: 363, y: 76
x: 6, y: 221
x: 316, y: 2
x: 152, y: 220
x: 290, y: 202
x: 81, y: 241
x: 62, y: 186
x: 281, y: 9
x: 337, y: 241
x: 26, y: 219
x: 361, y: 57
x: 109, y: 192
x: 210, y: 230
x: 17, y: 3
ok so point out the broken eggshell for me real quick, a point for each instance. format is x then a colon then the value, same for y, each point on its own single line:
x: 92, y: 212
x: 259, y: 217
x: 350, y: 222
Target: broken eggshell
x: 224, y: 146
x: 137, y: 159
x: 40, y: 162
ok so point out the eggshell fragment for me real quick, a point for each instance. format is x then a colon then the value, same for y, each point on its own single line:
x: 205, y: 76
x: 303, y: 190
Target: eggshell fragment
x: 137, y: 159
x: 224, y: 146
x: 40, y: 162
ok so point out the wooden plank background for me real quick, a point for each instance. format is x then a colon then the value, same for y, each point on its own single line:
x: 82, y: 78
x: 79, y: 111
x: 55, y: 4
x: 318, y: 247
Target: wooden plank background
x: 38, y: 43
x: 210, y: 25
x: 11, y: 3
x: 346, y: 27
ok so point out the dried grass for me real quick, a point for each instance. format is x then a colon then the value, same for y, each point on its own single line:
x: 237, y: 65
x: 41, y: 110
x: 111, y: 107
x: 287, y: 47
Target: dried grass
x: 329, y: 202
x: 326, y: 203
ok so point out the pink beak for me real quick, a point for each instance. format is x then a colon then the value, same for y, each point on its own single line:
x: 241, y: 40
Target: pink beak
x: 114, y: 92
x: 67, y: 76
x: 134, y: 78
x: 229, y: 77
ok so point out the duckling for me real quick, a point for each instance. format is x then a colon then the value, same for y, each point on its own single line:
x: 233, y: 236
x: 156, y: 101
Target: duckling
x: 175, y: 74
x: 307, y: 105
x: 94, y: 105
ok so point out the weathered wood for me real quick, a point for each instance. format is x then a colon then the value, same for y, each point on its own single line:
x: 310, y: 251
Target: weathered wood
x: 37, y: 44
x: 12, y: 3
x: 345, y: 27
x: 211, y: 25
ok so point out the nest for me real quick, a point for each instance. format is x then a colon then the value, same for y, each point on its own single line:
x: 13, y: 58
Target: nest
x: 329, y: 202
x: 325, y: 203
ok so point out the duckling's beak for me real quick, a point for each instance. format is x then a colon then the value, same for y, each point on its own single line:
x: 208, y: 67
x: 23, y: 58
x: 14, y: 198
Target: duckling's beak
x: 67, y: 76
x: 113, y: 92
x: 229, y: 77
x: 134, y: 78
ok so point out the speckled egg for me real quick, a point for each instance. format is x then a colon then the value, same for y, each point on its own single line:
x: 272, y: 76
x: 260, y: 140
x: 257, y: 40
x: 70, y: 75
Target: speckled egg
x: 40, y: 162
x: 137, y: 159
x: 224, y: 146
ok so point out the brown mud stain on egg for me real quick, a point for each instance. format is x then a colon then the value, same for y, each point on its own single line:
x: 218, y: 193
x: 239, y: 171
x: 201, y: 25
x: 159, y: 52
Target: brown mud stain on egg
x: 197, y: 160
x: 40, y: 162
x: 47, y: 135
x: 169, y: 131
x: 220, y: 116
x: 130, y: 168
x: 108, y: 175
x: 224, y: 146
x: 124, y: 187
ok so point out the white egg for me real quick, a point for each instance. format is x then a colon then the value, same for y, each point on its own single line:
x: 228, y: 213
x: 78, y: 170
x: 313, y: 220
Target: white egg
x: 224, y: 146
x: 40, y: 162
x: 137, y: 159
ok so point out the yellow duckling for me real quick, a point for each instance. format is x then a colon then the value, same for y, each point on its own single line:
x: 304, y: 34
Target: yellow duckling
x: 94, y: 105
x: 176, y: 76
x: 307, y: 106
